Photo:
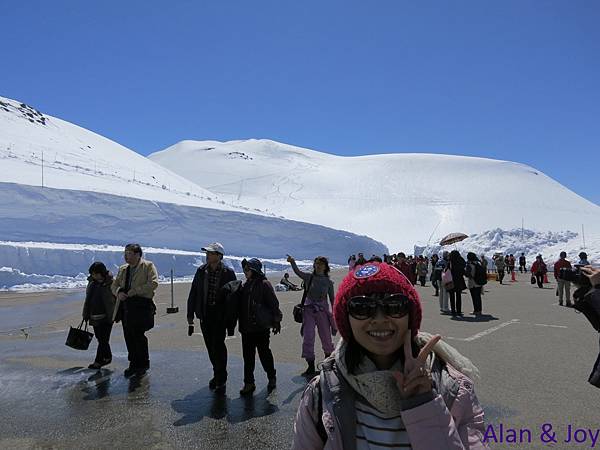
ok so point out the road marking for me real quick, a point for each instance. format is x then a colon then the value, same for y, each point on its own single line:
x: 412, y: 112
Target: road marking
x: 546, y: 325
x: 485, y: 332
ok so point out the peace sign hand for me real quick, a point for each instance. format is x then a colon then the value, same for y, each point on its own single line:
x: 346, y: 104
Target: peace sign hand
x: 416, y: 378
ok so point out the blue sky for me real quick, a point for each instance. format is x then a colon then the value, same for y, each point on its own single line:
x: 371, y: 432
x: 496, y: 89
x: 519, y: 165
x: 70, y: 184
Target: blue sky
x: 516, y: 80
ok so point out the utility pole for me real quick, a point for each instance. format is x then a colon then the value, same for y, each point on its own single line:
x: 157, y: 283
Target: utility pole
x: 583, y: 236
x: 522, y: 229
x: 42, y: 168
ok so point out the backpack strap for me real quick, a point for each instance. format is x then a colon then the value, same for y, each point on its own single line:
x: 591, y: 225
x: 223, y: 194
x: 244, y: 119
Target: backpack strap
x: 444, y: 382
x: 306, y: 289
x: 319, y: 401
x: 336, y: 392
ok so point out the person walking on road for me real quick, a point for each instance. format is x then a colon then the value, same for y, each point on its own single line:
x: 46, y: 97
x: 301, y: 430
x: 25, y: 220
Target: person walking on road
x: 441, y: 266
x: 472, y: 269
x: 511, y: 263
x: 563, y: 286
x: 134, y: 287
x: 388, y: 385
x: 422, y: 270
x: 457, y: 268
x: 499, y: 263
x: 522, y: 263
x: 99, y: 310
x: 317, y: 312
x: 258, y: 313
x: 539, y: 269
x: 206, y: 301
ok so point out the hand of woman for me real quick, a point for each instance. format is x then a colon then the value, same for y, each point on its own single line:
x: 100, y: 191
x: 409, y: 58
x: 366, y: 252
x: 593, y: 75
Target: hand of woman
x: 592, y: 273
x: 290, y: 259
x: 416, y: 377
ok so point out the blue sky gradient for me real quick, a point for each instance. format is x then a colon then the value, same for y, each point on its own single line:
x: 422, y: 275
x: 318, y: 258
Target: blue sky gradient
x: 515, y: 80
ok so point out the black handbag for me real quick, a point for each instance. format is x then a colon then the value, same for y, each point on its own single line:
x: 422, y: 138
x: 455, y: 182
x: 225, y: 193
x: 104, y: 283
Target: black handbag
x: 299, y: 308
x: 79, y: 338
x: 533, y: 279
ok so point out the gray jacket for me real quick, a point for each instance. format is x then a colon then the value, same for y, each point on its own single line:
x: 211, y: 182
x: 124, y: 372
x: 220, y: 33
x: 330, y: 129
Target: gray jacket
x: 321, y: 286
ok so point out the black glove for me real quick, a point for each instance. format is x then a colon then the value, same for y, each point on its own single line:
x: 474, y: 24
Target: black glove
x: 190, y: 330
x: 230, y: 331
x: 277, y: 329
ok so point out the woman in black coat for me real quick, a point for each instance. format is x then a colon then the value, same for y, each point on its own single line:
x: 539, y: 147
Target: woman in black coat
x: 99, y: 309
x: 457, y: 268
x: 258, y: 313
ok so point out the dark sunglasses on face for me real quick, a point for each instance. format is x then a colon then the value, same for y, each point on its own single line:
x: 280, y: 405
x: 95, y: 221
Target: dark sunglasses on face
x: 363, y: 307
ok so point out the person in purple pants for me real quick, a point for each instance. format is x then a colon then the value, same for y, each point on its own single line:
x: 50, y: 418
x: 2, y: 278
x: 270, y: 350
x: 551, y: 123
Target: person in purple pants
x: 317, y: 312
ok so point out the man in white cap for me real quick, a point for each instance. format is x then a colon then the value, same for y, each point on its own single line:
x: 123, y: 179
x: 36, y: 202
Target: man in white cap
x: 207, y: 303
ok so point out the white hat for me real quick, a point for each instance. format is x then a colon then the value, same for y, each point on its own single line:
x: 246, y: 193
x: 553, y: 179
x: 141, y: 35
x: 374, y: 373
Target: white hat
x: 214, y: 247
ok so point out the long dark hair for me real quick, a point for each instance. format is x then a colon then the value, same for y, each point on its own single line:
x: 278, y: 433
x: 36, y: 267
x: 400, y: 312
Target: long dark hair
x: 323, y: 260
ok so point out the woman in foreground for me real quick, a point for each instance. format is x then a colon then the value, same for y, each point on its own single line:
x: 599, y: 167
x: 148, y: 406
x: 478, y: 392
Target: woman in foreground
x: 386, y: 385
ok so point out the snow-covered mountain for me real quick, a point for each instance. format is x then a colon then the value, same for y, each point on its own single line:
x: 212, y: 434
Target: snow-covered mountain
x: 40, y: 150
x: 62, y: 184
x: 516, y: 241
x: 399, y: 199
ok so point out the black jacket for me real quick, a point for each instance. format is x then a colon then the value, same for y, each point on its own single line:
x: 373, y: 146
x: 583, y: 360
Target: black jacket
x: 457, y: 268
x: 196, y: 304
x: 99, y: 303
x: 258, y: 306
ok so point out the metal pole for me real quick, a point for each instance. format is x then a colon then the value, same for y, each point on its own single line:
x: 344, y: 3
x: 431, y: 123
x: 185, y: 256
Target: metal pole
x: 583, y: 236
x: 172, y: 309
x: 522, y: 229
x: 42, y: 168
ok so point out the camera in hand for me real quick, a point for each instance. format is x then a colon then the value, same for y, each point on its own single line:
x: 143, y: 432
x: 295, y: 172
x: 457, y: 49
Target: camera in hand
x: 575, y: 276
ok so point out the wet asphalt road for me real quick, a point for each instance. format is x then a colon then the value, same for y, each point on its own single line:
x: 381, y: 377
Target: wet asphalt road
x: 534, y: 357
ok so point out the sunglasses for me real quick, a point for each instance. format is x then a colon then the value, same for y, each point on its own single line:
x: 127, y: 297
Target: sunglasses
x: 363, y: 307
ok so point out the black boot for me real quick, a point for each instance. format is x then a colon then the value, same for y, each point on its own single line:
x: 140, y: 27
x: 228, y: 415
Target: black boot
x: 310, y: 370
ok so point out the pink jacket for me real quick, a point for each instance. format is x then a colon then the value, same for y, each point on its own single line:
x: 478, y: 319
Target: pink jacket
x: 431, y: 426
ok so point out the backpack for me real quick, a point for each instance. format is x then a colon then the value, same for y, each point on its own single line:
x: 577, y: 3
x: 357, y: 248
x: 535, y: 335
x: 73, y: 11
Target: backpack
x: 480, y: 276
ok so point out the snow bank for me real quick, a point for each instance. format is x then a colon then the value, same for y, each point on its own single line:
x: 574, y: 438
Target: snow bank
x: 516, y: 241
x: 44, y: 265
x: 29, y: 213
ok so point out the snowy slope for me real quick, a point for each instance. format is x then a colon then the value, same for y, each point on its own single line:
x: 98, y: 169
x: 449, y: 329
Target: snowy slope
x: 77, y: 159
x: 96, y: 191
x: 398, y: 199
